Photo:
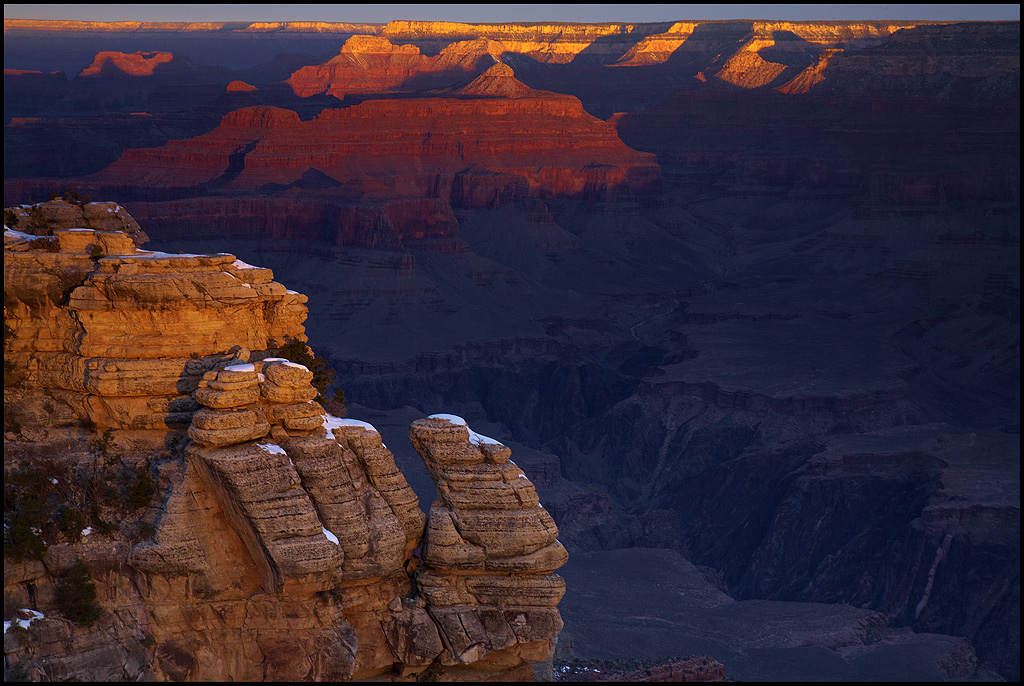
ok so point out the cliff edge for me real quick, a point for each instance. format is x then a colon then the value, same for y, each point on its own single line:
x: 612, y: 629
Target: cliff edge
x: 212, y: 521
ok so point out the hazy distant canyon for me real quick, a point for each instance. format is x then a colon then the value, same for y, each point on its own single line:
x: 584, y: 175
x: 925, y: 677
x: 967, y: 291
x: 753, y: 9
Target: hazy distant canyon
x: 742, y: 297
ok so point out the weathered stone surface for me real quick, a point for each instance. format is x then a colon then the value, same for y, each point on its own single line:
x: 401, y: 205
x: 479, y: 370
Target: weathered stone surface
x: 228, y: 436
x: 226, y: 400
x: 261, y: 493
x: 489, y: 547
x: 286, y: 557
x: 124, y: 336
x: 485, y: 504
x: 233, y: 419
x: 288, y: 374
x: 278, y: 412
x: 110, y: 225
x: 286, y: 395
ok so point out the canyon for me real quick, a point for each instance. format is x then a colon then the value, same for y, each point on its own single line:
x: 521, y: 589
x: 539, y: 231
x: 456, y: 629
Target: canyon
x: 742, y: 298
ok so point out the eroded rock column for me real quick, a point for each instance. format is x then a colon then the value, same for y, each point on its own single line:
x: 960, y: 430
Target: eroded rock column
x: 489, y: 554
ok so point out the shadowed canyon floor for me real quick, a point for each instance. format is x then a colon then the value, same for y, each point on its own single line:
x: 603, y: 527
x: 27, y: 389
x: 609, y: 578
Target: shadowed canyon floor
x: 742, y: 297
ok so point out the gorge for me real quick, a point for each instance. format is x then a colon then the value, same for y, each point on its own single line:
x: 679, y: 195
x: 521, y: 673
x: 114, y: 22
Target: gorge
x: 742, y: 298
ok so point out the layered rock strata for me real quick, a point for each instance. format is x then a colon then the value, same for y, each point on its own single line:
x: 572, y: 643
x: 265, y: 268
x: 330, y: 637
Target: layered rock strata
x: 120, y: 337
x: 135, y: 64
x: 284, y: 543
x: 404, y: 148
x: 371, y: 64
x: 57, y: 215
x: 490, y: 551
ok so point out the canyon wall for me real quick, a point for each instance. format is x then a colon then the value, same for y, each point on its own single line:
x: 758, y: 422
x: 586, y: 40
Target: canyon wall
x: 745, y: 291
x: 277, y: 542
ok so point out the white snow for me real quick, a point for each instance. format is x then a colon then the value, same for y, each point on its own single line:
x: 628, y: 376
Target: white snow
x: 241, y: 368
x: 54, y: 482
x: 332, y: 422
x: 33, y: 616
x: 272, y: 448
x: 474, y: 438
x: 294, y: 292
x: 238, y: 264
x: 275, y: 359
x: 86, y: 531
x: 451, y: 418
x: 81, y: 229
x: 330, y: 536
x: 159, y: 254
x: 295, y: 365
x: 479, y: 439
x: 13, y: 233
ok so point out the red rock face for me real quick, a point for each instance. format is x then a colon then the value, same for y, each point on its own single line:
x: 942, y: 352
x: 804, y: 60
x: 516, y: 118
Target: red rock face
x: 369, y: 64
x: 136, y: 64
x: 541, y: 143
x: 240, y: 87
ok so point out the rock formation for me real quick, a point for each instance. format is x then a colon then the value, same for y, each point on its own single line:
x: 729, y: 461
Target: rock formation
x: 257, y: 147
x: 71, y: 294
x: 489, y: 552
x: 803, y: 318
x: 240, y: 87
x: 136, y: 64
x: 284, y: 542
x: 371, y: 64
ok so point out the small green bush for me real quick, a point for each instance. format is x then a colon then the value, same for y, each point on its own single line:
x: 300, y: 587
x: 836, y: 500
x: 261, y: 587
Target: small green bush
x: 26, y: 513
x: 71, y: 522
x: 20, y: 634
x: 36, y: 219
x: 140, y: 489
x: 323, y: 374
x: 102, y: 444
x: 10, y: 218
x: 47, y: 243
x: 103, y: 526
x: 76, y: 595
x: 15, y: 673
x: 146, y: 531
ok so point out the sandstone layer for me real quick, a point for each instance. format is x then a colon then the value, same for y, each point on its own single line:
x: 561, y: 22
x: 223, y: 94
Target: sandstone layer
x: 136, y: 64
x: 285, y: 542
x: 420, y: 148
x: 70, y: 296
x: 489, y: 552
x: 798, y: 364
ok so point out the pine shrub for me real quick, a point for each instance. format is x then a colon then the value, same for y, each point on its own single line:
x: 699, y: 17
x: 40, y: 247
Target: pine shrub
x: 76, y: 595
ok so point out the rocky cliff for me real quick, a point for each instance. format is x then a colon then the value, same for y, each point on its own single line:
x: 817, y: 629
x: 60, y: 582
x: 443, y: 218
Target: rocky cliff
x: 275, y: 541
x: 787, y: 351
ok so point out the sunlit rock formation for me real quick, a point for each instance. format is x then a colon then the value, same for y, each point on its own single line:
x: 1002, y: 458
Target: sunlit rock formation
x: 135, y: 64
x: 490, y: 551
x: 284, y: 543
x: 69, y: 296
x: 372, y: 64
x: 257, y: 147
